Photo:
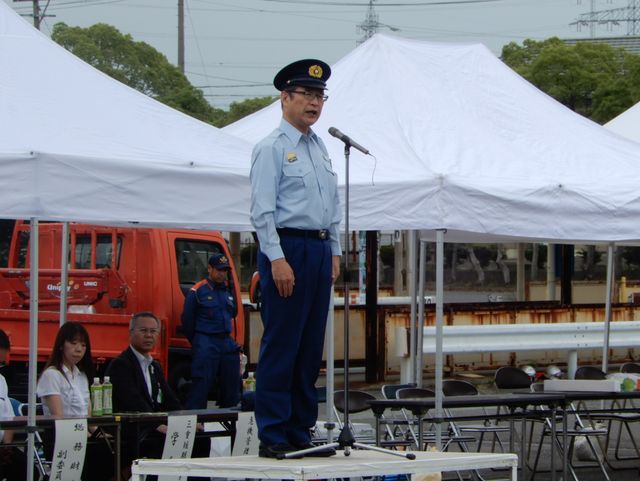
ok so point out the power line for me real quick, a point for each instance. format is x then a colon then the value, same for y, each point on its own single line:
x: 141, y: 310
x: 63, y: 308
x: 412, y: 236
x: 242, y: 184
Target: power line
x: 360, y: 4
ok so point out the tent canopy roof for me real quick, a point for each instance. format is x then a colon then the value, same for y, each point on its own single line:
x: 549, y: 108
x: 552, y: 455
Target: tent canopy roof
x: 77, y: 145
x: 463, y: 143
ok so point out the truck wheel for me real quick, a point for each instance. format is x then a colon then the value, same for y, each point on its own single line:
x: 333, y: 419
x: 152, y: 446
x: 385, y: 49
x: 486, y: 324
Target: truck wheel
x: 180, y: 380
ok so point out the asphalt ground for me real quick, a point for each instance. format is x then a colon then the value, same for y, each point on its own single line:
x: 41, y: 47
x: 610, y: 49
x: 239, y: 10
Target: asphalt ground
x: 585, y: 469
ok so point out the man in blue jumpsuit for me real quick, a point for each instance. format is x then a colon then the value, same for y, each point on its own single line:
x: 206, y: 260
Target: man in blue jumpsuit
x: 207, y: 319
x: 295, y: 210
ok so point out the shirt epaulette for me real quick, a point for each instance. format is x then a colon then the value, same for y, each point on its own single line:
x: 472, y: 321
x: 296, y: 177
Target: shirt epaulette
x: 198, y: 284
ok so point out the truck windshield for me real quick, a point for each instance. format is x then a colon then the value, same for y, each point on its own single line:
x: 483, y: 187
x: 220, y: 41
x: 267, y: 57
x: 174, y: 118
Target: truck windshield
x: 192, y: 257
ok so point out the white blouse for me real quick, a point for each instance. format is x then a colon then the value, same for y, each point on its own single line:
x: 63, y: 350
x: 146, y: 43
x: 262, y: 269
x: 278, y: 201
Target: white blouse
x: 6, y: 409
x: 72, y: 387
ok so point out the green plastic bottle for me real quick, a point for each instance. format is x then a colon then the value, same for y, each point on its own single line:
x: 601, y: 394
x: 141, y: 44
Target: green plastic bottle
x: 96, y: 397
x: 107, y: 396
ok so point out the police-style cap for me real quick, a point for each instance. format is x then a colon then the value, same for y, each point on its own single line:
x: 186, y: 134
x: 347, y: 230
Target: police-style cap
x: 219, y: 261
x: 306, y: 73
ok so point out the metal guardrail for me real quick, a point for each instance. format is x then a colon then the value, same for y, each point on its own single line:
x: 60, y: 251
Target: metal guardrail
x: 524, y: 337
x: 532, y: 337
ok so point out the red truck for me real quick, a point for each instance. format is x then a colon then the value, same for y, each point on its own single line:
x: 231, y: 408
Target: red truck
x: 113, y: 273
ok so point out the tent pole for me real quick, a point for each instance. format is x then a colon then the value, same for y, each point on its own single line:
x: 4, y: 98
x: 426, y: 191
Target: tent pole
x: 411, y: 272
x: 64, y: 272
x: 439, y: 330
x: 34, y: 257
x: 420, y: 320
x: 607, y: 308
x: 520, y: 277
x: 551, y: 272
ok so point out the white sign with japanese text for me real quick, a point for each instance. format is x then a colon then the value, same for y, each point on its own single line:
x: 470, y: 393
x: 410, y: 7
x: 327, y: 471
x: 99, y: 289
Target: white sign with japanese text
x: 69, y: 449
x: 178, y: 443
x: 246, y: 443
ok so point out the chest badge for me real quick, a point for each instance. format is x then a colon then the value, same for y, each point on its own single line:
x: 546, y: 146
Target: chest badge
x: 292, y: 157
x: 209, y: 298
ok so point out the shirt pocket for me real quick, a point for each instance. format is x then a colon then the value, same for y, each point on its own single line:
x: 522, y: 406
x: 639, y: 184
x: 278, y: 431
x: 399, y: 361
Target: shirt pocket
x: 212, y: 307
x: 297, y: 173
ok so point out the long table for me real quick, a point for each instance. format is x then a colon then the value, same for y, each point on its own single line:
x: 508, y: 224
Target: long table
x: 117, y: 421
x: 359, y: 463
x: 512, y: 401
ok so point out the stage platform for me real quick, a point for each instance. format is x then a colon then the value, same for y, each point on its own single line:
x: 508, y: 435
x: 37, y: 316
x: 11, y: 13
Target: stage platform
x: 358, y: 463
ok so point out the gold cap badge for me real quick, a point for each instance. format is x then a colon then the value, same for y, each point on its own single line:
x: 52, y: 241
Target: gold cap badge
x: 315, y: 71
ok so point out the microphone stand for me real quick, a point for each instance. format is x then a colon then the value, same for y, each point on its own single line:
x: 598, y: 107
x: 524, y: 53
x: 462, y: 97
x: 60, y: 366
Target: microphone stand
x: 346, y: 440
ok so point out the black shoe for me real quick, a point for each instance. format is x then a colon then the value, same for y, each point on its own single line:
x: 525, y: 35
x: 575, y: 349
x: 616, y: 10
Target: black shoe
x: 277, y: 451
x: 325, y: 452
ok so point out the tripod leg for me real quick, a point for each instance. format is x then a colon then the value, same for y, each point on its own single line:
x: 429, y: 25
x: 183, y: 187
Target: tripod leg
x: 377, y: 449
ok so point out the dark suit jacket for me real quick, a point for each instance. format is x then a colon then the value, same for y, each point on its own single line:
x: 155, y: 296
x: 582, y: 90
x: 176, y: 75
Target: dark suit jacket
x: 130, y: 391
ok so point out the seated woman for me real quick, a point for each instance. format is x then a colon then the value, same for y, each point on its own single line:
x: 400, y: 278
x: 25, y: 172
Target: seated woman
x: 63, y: 388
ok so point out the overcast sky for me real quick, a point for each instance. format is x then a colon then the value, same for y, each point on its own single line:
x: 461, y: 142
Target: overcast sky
x: 234, y: 47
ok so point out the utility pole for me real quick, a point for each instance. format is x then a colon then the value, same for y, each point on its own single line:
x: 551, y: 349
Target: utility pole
x: 181, y: 35
x: 37, y: 14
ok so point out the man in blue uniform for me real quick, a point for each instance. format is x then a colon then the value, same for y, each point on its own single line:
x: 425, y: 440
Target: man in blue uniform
x: 295, y: 210
x: 207, y: 319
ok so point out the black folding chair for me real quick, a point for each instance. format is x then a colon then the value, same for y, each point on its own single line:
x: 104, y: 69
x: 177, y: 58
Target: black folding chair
x: 579, y: 429
x: 395, y: 425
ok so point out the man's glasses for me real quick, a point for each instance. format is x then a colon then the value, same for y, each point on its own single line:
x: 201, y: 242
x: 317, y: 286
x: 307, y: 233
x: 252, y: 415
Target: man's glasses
x: 311, y: 95
x: 148, y: 330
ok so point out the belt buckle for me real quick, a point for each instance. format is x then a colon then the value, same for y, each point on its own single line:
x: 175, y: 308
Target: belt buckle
x: 323, y: 234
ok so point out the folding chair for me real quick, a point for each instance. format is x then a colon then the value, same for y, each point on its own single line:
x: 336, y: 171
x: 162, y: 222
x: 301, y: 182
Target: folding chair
x: 414, y: 393
x: 393, y: 424
x: 590, y: 372
x: 632, y: 367
x: 455, y: 387
x: 579, y: 429
x: 358, y: 402
x: 42, y: 464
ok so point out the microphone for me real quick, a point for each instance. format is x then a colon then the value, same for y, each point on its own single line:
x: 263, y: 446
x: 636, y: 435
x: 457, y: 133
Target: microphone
x: 348, y: 141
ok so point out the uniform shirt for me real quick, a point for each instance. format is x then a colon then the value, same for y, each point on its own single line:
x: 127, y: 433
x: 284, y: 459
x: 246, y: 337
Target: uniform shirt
x: 145, y: 363
x: 293, y: 185
x: 208, y: 309
x: 6, y: 409
x: 71, y: 385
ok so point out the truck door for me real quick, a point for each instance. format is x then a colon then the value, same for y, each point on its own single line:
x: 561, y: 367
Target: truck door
x: 188, y: 266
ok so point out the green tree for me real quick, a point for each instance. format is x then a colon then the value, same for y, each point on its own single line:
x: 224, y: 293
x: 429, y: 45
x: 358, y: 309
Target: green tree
x: 136, y: 64
x: 597, y: 81
x: 238, y: 110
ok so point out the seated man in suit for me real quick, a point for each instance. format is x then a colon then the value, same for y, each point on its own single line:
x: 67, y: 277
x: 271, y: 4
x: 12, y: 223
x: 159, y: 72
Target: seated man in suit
x: 139, y: 385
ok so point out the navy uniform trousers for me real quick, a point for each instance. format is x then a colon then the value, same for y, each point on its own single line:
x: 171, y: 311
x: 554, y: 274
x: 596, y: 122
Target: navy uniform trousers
x: 292, y: 343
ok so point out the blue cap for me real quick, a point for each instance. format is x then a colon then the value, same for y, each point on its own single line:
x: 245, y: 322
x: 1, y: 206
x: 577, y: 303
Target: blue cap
x: 219, y: 261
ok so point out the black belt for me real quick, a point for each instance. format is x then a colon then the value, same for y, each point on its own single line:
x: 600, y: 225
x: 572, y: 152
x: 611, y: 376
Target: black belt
x: 217, y: 335
x: 322, y: 234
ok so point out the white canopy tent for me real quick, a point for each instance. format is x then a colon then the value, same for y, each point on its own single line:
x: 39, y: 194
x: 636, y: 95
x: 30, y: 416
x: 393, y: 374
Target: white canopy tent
x: 627, y: 124
x: 463, y: 143
x: 76, y: 145
x: 465, y: 146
